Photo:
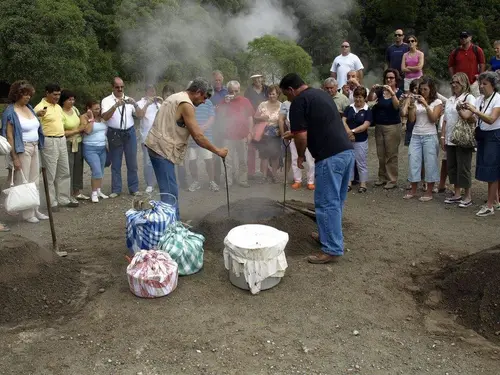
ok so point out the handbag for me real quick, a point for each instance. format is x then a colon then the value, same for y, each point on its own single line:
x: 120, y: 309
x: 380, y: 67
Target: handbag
x: 463, y: 134
x: 21, y: 197
x: 258, y: 131
x: 5, y: 147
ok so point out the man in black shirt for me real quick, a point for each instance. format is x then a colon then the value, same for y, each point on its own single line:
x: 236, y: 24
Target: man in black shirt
x: 316, y: 124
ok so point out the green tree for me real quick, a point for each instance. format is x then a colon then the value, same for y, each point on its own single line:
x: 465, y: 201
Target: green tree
x: 45, y: 41
x: 274, y: 57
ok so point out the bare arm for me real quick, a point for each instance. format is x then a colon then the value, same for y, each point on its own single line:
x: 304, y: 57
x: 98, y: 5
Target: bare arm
x: 333, y: 75
x: 434, y: 114
x: 363, y: 127
x: 403, y: 63
x: 372, y: 95
x: 404, y: 107
x: 109, y: 113
x: 412, y: 113
x: 209, y: 123
x: 87, y: 124
x: 360, y: 76
x: 488, y: 119
x: 301, y: 143
x: 13, y: 153
x: 187, y: 113
x: 281, y: 123
x: 141, y: 112
x: 451, y: 70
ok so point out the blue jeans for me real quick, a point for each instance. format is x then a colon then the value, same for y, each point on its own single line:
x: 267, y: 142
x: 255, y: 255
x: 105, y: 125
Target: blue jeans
x: 123, y: 142
x: 148, y: 167
x: 95, y: 156
x: 332, y: 179
x: 167, y: 181
x: 426, y: 148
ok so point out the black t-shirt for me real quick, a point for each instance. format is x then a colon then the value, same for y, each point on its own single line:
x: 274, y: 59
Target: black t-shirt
x: 314, y: 111
x: 255, y: 97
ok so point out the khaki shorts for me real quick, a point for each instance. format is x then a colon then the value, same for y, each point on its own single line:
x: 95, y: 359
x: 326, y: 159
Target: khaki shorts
x: 194, y: 153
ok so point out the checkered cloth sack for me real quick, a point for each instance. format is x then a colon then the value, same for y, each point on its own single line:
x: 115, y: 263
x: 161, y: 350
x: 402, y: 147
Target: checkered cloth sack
x: 185, y: 248
x: 145, y: 228
x: 152, y: 274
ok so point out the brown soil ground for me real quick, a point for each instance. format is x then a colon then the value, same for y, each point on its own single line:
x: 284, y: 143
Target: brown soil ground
x: 359, y: 315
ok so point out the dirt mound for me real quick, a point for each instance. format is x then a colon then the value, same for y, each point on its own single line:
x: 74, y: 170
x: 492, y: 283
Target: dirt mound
x: 34, y: 282
x: 470, y: 288
x: 216, y: 225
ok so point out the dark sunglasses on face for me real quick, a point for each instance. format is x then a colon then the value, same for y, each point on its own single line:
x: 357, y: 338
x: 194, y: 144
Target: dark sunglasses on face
x: 412, y: 41
x: 345, y: 46
x: 400, y: 35
x: 119, y: 87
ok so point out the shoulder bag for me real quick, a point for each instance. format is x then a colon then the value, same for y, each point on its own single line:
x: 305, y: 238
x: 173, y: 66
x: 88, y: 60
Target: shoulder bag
x: 21, y: 197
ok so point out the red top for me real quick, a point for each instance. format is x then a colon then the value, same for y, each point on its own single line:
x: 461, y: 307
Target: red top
x: 234, y: 117
x: 466, y: 61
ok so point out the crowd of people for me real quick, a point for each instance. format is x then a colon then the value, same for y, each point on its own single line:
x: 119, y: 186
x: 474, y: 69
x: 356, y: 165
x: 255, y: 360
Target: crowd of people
x: 406, y: 105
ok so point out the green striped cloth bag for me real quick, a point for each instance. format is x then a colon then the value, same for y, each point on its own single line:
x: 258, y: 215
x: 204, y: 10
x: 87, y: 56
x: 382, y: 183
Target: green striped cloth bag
x: 184, y: 247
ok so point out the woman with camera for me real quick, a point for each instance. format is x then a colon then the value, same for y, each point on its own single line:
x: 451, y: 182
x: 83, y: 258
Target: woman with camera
x: 387, y: 127
x: 22, y: 129
x: 459, y: 159
x: 94, y: 150
x: 487, y: 112
x: 424, y: 145
x: 268, y: 142
x: 357, y: 119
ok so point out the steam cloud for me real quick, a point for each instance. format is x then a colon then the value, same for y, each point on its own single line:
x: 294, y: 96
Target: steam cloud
x: 187, y: 37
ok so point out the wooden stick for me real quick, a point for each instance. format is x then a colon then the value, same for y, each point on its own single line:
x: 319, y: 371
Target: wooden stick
x: 55, y: 246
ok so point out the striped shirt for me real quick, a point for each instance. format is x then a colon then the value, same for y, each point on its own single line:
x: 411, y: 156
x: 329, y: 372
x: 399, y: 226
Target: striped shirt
x: 203, y: 113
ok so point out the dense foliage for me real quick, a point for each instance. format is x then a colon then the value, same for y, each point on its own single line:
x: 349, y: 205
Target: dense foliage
x: 82, y: 43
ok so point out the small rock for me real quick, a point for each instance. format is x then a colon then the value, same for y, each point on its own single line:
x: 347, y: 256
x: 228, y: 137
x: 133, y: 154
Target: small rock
x: 109, y: 360
x: 413, y: 264
x: 101, y: 290
x: 497, y: 333
x: 355, y: 332
x: 357, y: 367
x: 198, y: 351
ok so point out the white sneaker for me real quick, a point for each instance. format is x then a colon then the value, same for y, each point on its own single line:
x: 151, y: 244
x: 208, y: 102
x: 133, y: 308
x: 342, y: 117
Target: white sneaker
x: 41, y: 216
x: 113, y: 195
x: 149, y: 189
x: 95, y: 198
x: 485, y: 211
x: 213, y: 186
x: 33, y: 220
x: 194, y: 186
x: 100, y: 194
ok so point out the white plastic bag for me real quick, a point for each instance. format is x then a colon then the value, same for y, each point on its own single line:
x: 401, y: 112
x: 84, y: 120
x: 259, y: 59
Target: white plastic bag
x: 21, y: 197
x: 152, y: 274
x: 4, y: 146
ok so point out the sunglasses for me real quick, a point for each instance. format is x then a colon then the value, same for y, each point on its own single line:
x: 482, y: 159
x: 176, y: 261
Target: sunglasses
x: 119, y: 87
x: 400, y: 35
x: 412, y: 41
x: 345, y: 46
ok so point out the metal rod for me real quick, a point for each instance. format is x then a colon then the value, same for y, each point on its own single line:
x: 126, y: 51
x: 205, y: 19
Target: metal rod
x: 55, y: 246
x: 227, y: 187
x: 287, y: 144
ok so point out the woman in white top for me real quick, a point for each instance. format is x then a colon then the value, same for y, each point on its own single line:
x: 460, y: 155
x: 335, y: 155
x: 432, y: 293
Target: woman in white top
x: 424, y: 143
x: 22, y: 129
x: 487, y: 112
x: 459, y: 159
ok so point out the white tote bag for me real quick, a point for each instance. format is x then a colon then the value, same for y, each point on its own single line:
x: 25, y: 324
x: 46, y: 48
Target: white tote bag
x: 21, y: 197
x: 4, y: 146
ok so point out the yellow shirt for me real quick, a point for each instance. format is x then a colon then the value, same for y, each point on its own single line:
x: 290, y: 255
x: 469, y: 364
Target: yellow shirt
x: 71, y: 122
x: 52, y: 122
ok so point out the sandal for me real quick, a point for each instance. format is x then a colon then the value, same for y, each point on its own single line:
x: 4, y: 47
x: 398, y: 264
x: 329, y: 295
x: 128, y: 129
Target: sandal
x: 408, y: 196
x: 362, y: 189
x: 425, y: 199
x: 4, y: 228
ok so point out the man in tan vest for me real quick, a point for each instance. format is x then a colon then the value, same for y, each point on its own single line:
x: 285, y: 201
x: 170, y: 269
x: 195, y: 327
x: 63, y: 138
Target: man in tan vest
x: 167, y: 140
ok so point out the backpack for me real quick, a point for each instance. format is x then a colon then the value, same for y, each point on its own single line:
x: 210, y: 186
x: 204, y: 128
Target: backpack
x: 475, y: 49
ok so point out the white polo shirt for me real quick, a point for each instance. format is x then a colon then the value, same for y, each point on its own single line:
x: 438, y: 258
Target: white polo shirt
x: 115, y: 120
x: 149, y: 117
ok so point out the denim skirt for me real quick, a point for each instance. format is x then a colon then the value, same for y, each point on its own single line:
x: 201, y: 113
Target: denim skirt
x: 488, y: 155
